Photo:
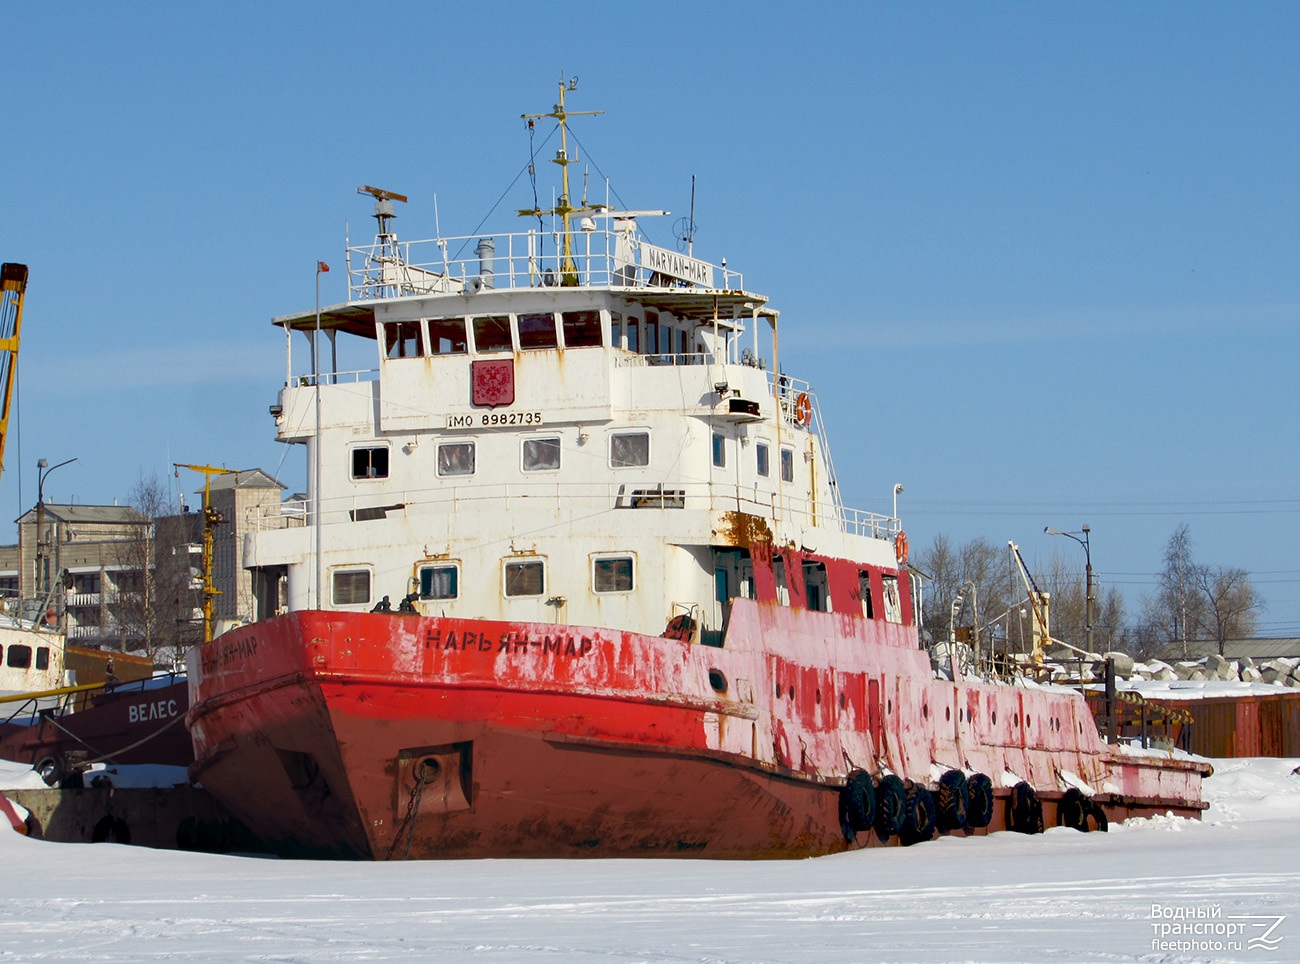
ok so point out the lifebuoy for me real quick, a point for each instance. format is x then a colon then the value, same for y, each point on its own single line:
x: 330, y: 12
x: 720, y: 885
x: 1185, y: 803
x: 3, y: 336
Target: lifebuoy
x: 900, y: 548
x: 680, y: 627
x: 803, y: 409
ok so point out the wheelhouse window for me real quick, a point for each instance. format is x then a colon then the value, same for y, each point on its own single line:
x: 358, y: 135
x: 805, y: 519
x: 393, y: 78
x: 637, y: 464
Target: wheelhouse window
x: 350, y: 587
x: 762, y: 458
x: 492, y: 333
x: 402, y: 339
x: 439, y: 582
x: 719, y: 450
x: 629, y: 450
x: 456, y: 458
x: 537, y: 331
x: 611, y: 574
x: 370, y: 462
x: 19, y: 656
x: 447, y: 336
x: 581, y: 329
x: 633, y: 331
x: 787, y: 465
x: 527, y: 578
x: 541, y: 454
x: 42, y: 657
x: 651, y: 333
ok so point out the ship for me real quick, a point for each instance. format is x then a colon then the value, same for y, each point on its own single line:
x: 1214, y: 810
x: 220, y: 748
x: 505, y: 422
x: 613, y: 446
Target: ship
x: 572, y: 576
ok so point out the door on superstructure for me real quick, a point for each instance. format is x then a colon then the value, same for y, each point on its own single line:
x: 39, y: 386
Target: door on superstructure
x: 733, y: 576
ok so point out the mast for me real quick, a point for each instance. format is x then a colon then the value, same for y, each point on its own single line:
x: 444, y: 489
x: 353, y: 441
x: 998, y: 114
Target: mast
x: 563, y: 209
x: 211, y: 519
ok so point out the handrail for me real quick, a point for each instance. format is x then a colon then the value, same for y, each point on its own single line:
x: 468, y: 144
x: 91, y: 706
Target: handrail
x: 631, y: 493
x: 604, y: 257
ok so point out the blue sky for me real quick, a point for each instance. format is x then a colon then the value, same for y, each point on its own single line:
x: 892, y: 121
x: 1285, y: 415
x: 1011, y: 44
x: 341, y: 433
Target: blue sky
x: 1039, y: 261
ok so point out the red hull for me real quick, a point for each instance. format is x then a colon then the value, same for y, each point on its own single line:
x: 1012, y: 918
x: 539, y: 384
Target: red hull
x: 384, y: 736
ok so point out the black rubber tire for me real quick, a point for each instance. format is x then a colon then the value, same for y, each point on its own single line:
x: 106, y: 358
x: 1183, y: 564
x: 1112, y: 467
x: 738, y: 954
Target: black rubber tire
x: 1024, y: 810
x: 952, y: 802
x: 1097, y: 819
x: 857, y: 804
x: 891, y: 805
x: 52, y: 770
x: 1073, y: 810
x: 918, y: 822
x: 111, y: 829
x: 979, y: 809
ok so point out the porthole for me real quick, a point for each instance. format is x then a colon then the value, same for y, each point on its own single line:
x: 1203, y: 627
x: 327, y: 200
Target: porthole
x: 718, y: 681
x: 925, y: 710
x: 947, y: 713
x: 995, y: 717
x: 843, y: 701
x: 818, y: 697
x: 1015, y: 719
x: 779, y: 691
x: 889, y: 706
x: 791, y: 692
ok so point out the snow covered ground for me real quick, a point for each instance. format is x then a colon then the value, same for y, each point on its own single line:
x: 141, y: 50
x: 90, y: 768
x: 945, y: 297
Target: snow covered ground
x: 1063, y: 896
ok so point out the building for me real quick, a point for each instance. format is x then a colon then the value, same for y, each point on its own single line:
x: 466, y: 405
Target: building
x: 241, y: 498
x: 117, y: 580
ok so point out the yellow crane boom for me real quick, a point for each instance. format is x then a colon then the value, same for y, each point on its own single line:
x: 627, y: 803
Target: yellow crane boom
x: 211, y: 519
x: 13, y: 285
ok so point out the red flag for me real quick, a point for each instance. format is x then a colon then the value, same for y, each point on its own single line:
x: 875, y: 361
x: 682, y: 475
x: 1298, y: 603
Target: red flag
x: 321, y: 266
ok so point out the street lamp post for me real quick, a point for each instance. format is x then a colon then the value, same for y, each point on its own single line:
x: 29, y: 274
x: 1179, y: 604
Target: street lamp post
x: 1087, y: 556
x: 43, y: 470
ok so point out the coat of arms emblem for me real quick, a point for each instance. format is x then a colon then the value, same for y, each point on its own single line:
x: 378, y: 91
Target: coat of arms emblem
x: 494, y: 382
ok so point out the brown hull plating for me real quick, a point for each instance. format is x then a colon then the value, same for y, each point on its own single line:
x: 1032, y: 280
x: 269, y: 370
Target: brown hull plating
x: 382, y: 737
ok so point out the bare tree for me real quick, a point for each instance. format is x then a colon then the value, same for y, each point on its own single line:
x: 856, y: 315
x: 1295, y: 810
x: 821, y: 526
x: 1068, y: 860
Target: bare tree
x: 1176, y: 610
x: 156, y: 598
x: 1230, y: 603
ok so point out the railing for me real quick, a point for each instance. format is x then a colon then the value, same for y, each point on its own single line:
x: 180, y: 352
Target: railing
x: 551, y: 497
x: 531, y: 259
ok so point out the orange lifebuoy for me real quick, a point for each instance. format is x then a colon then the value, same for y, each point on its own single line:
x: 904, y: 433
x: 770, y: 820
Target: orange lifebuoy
x: 900, y: 548
x: 803, y: 409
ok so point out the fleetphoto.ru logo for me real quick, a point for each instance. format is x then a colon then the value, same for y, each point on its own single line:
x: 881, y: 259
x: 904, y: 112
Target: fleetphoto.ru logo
x: 1207, y: 929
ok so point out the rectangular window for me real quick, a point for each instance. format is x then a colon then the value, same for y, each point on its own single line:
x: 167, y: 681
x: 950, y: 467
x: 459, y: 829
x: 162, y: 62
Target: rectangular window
x: 541, y: 454
x: 447, y: 336
x: 782, y: 585
x: 402, y: 339
x: 651, y: 333
x: 492, y: 333
x: 537, y: 331
x: 581, y: 329
x: 629, y: 450
x: 439, y: 582
x: 42, y: 657
x: 719, y: 450
x: 369, y: 463
x: 612, y: 574
x: 350, y: 587
x: 762, y: 456
x: 525, y: 578
x: 456, y: 458
x: 816, y: 587
x: 893, y: 606
x: 19, y: 657
x: 787, y: 465
x: 633, y: 334
x: 864, y: 591
x: 681, y: 342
